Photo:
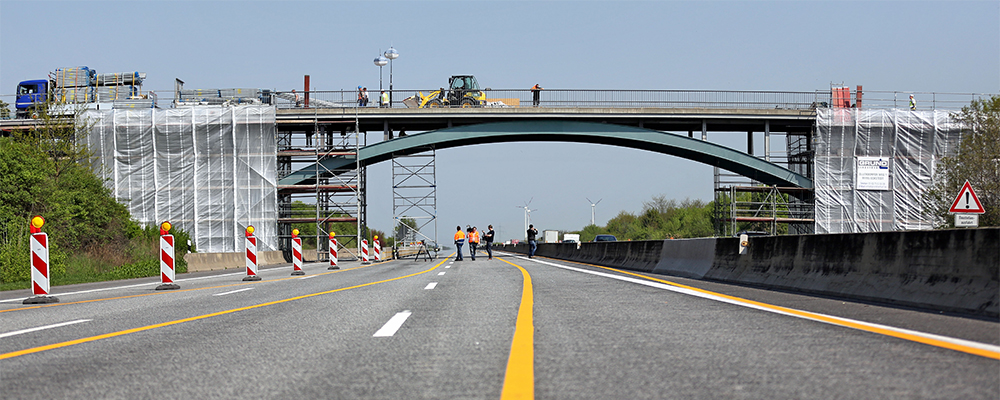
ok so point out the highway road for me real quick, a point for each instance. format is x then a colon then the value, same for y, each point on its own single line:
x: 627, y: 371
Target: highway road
x: 510, y: 327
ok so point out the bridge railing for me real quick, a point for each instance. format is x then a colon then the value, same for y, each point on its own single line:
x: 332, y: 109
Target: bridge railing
x: 598, y: 98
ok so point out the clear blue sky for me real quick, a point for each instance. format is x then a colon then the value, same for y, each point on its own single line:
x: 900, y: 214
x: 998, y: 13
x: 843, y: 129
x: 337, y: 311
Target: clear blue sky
x: 939, y: 46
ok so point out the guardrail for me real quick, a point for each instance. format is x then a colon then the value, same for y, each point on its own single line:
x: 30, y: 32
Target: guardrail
x: 713, y: 99
x: 590, y: 98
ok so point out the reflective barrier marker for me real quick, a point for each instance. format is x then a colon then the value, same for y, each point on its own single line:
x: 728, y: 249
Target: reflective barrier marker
x: 333, y: 251
x: 251, y: 244
x: 166, y: 258
x: 378, y: 248
x: 296, y: 253
x: 364, y: 251
x: 39, y: 264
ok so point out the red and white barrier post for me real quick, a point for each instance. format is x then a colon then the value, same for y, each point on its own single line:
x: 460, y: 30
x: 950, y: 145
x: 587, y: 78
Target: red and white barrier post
x: 377, y: 246
x: 166, y: 258
x: 333, y: 252
x: 39, y: 264
x: 251, y: 244
x: 364, y: 251
x: 296, y: 253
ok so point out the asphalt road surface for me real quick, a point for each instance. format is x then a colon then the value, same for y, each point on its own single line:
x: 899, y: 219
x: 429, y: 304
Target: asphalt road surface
x: 510, y: 327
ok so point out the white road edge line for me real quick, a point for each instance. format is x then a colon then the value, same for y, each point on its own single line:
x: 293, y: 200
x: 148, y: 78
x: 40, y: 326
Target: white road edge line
x: 962, y: 342
x: 8, y: 334
x: 310, y: 276
x: 431, y: 285
x: 233, y: 291
x: 393, y: 325
x: 128, y: 286
x: 242, y: 272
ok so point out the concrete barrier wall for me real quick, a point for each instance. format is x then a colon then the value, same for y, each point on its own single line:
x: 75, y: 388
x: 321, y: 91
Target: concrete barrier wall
x: 216, y: 261
x: 944, y: 270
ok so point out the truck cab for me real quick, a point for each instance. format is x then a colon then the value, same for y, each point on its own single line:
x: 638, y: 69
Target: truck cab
x: 30, y: 93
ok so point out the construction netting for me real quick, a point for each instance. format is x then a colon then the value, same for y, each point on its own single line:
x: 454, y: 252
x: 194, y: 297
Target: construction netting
x: 210, y: 171
x: 873, y: 167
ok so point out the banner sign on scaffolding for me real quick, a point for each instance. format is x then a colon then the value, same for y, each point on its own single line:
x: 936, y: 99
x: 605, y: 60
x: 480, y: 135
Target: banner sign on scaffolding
x: 872, y: 173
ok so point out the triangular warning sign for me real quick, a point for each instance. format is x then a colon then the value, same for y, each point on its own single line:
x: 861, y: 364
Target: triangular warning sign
x: 967, y: 201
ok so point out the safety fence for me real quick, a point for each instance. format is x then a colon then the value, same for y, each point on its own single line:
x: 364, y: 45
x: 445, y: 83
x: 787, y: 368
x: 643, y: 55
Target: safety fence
x: 587, y: 98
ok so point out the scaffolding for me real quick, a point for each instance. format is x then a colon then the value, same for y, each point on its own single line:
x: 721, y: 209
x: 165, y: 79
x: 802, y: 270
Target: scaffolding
x: 414, y: 204
x: 772, y: 209
x: 332, y: 197
x: 742, y: 204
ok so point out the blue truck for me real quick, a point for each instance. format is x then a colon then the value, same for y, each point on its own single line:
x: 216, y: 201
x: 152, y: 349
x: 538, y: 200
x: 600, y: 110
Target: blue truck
x: 71, y: 88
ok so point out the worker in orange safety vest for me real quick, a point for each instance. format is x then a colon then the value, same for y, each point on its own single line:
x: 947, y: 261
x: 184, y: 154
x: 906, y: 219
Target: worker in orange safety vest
x: 473, y: 242
x: 459, y: 241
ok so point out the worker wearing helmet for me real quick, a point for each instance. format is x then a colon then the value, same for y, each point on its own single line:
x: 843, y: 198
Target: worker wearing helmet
x: 913, y: 103
x: 459, y: 241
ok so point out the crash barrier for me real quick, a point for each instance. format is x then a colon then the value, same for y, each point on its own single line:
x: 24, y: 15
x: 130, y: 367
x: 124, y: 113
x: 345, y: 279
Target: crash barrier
x: 942, y: 270
x: 216, y: 261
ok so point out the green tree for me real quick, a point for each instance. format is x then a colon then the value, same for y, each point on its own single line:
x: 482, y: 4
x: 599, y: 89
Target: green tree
x: 43, y: 171
x: 4, y: 111
x: 977, y: 160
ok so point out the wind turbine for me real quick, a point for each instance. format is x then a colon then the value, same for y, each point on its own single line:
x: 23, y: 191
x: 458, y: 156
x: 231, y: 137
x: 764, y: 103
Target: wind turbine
x: 527, y: 216
x: 593, y: 208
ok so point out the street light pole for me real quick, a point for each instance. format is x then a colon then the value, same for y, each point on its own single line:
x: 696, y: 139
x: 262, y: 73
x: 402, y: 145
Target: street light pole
x: 380, y: 61
x: 391, y: 54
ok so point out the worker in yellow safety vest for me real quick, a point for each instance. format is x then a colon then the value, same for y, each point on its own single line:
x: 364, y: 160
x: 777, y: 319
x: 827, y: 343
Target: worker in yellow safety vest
x: 459, y: 241
x: 473, y: 242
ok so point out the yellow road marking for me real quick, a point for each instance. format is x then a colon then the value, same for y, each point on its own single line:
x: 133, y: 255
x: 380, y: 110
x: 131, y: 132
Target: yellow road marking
x: 519, y: 381
x: 819, y: 317
x: 179, y: 321
x: 170, y: 291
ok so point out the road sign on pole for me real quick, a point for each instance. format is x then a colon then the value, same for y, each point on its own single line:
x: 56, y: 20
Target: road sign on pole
x: 967, y: 201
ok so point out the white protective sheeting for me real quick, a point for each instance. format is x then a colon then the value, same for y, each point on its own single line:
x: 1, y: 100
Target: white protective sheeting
x: 210, y: 171
x: 912, y: 141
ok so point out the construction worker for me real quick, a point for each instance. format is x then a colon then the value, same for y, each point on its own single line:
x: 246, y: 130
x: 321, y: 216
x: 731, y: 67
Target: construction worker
x: 473, y: 242
x: 913, y: 103
x: 536, y: 92
x: 459, y: 241
x: 489, y: 242
x: 384, y: 99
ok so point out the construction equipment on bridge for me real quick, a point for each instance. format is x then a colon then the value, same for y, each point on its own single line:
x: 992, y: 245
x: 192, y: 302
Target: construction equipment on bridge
x: 463, y: 91
x: 76, y: 87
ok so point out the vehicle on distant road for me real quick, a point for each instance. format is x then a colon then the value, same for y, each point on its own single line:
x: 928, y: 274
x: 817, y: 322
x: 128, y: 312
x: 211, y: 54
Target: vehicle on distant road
x: 605, y: 238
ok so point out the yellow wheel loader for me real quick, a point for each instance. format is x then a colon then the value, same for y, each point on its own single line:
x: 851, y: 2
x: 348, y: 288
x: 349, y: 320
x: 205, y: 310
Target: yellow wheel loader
x: 463, y: 91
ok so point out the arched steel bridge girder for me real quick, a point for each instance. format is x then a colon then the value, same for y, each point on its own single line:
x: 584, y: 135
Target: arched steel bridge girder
x: 567, y: 131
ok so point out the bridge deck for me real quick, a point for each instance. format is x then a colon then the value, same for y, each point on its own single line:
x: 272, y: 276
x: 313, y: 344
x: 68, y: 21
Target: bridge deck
x: 666, y: 119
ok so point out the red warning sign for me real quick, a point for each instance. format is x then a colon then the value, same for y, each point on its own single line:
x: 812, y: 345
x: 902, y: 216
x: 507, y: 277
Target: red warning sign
x: 967, y: 202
